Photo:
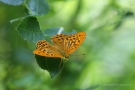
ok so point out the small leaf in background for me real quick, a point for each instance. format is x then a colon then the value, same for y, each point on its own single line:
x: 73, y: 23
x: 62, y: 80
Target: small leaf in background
x: 54, y: 31
x: 72, y: 32
x: 52, y: 65
x: 12, y: 2
x: 129, y: 13
x: 29, y: 29
x: 37, y: 7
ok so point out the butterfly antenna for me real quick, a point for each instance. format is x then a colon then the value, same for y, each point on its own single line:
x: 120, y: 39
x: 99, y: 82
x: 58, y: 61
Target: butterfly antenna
x: 77, y: 55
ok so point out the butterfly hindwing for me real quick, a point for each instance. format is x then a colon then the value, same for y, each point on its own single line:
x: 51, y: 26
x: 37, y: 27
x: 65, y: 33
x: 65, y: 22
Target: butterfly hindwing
x: 43, y: 48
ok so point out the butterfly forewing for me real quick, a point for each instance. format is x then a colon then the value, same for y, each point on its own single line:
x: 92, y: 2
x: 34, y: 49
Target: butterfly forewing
x: 43, y: 48
x: 68, y: 43
x: 58, y: 42
x: 75, y: 41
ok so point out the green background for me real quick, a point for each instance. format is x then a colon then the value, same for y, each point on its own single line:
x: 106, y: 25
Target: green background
x: 109, y: 47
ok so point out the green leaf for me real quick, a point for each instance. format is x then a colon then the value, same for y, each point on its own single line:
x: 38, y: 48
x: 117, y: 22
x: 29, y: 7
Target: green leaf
x: 13, y: 2
x: 29, y: 29
x: 52, y: 65
x: 37, y: 7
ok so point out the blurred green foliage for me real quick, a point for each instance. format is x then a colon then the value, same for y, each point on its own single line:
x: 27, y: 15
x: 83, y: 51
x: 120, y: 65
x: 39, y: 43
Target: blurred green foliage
x: 109, y: 48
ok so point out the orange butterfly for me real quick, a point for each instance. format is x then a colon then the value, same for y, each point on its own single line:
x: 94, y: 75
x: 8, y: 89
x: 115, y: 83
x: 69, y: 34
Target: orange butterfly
x: 63, y: 45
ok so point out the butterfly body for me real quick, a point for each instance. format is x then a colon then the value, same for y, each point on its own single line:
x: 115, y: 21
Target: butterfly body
x: 63, y: 45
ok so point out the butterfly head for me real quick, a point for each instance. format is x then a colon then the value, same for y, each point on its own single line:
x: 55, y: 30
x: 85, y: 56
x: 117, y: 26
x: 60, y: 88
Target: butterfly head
x: 65, y: 56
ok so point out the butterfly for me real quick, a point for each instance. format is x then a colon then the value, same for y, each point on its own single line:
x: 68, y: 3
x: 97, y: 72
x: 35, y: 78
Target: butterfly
x: 62, y: 45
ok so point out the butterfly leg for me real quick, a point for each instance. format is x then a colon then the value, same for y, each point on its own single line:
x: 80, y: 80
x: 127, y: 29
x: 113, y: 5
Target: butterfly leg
x: 61, y: 61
